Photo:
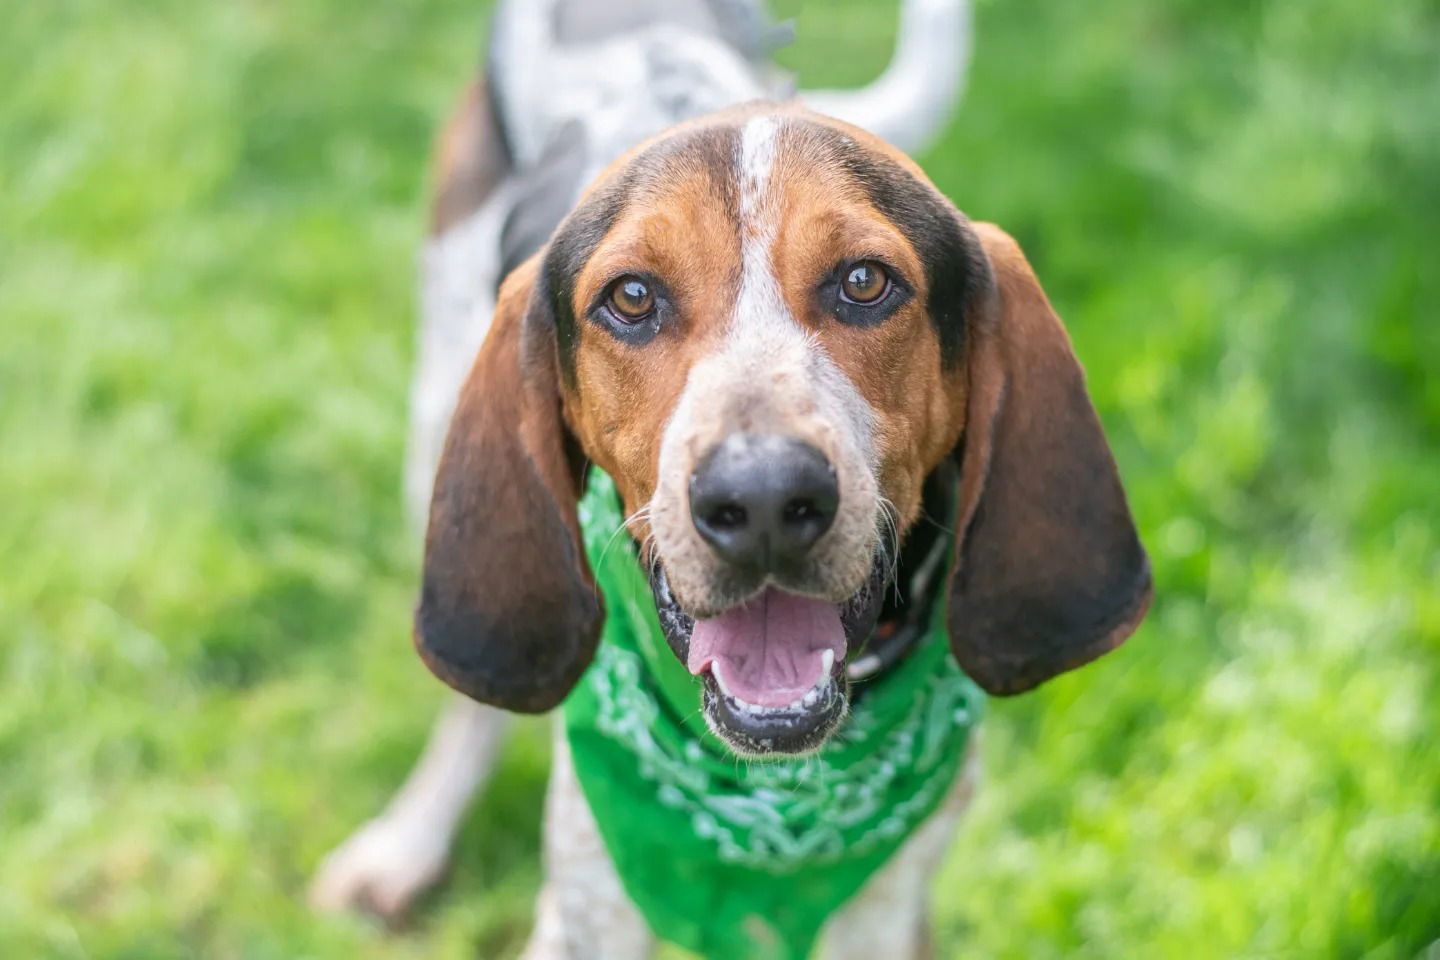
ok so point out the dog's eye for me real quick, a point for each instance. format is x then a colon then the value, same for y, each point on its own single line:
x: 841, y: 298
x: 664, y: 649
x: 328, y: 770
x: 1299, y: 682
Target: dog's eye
x: 631, y: 299
x: 865, y: 282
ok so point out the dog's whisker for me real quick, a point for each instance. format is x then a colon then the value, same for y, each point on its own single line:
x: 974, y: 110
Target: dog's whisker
x: 936, y: 523
x: 643, y: 513
x: 888, y: 520
x: 648, y: 548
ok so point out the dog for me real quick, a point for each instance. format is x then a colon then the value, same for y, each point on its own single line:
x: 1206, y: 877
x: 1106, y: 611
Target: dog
x: 763, y: 409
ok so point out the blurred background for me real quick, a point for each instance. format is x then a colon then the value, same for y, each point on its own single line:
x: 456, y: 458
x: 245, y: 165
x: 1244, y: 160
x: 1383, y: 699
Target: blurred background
x: 209, y: 215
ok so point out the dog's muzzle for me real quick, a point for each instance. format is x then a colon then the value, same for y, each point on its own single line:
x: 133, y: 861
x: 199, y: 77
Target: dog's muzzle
x: 773, y: 666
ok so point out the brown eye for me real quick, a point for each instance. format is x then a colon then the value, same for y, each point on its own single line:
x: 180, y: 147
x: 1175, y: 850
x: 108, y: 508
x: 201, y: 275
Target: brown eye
x: 631, y: 299
x: 865, y: 282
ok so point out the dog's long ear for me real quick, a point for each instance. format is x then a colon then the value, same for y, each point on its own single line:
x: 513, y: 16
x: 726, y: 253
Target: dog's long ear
x: 508, y: 612
x: 1049, y: 571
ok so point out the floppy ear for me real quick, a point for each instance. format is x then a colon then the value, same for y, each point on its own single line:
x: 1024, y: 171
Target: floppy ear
x: 1049, y: 571
x: 508, y: 612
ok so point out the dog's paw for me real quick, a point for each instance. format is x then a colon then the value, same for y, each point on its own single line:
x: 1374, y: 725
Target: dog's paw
x: 381, y: 869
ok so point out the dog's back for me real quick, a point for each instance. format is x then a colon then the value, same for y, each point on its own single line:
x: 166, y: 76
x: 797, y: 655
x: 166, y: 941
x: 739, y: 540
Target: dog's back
x: 575, y: 84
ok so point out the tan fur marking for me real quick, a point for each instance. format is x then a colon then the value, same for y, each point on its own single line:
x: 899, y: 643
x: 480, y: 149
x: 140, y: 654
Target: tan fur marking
x: 918, y: 408
x: 623, y: 394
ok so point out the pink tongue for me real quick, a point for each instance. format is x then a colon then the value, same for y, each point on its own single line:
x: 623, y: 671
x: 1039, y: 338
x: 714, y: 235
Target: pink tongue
x: 770, y: 652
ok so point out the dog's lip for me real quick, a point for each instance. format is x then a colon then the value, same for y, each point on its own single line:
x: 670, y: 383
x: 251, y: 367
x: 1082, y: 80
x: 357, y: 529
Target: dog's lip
x: 759, y: 731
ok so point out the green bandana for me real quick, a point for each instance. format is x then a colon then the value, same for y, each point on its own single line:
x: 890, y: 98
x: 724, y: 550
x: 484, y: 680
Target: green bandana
x: 746, y: 859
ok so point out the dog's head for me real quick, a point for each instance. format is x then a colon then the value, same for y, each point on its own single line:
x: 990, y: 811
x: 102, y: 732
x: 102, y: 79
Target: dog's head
x: 793, y: 356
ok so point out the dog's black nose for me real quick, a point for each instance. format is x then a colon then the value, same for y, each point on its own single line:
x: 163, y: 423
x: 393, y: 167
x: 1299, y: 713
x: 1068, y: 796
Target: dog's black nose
x: 761, y: 501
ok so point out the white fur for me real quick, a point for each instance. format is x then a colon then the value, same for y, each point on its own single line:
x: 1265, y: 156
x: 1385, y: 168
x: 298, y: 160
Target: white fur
x: 759, y: 300
x: 582, y: 910
x: 396, y: 856
x: 610, y: 85
x: 890, y: 916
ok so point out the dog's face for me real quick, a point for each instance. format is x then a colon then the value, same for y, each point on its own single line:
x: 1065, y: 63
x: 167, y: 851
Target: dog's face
x: 755, y: 361
x: 770, y: 330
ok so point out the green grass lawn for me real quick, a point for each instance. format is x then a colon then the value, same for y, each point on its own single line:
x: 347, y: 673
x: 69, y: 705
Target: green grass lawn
x: 209, y: 214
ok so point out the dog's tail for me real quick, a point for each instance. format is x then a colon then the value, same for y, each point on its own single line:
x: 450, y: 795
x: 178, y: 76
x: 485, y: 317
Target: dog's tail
x: 910, y: 102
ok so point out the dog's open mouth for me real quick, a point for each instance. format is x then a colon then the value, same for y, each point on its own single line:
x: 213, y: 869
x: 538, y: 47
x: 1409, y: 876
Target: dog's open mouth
x: 773, y: 671
x: 773, y: 667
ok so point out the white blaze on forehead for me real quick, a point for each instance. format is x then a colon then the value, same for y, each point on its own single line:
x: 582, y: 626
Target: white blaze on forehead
x: 757, y: 157
x: 767, y: 351
x: 758, y: 141
x: 759, y: 298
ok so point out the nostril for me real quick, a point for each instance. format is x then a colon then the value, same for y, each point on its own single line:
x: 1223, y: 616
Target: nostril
x: 727, y: 516
x: 801, y: 510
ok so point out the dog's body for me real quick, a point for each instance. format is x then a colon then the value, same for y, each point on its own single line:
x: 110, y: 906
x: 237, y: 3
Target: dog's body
x: 571, y: 90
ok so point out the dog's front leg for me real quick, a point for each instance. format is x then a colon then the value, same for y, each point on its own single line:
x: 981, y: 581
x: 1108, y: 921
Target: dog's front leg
x: 583, y: 912
x: 393, y: 858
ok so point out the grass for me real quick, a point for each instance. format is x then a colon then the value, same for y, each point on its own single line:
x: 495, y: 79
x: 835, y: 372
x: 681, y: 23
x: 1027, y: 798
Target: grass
x: 208, y: 219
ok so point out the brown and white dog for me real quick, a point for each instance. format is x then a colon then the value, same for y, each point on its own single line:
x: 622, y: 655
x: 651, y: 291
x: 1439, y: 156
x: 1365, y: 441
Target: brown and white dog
x: 789, y: 350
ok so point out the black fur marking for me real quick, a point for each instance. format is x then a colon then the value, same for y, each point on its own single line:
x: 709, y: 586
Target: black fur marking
x: 570, y: 249
x: 544, y: 194
x: 492, y: 100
